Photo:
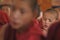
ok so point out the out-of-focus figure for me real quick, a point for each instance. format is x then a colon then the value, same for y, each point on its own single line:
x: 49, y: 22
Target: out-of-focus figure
x: 5, y: 8
x: 3, y: 18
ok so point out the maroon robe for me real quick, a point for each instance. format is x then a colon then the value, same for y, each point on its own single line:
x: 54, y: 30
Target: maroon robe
x: 3, y: 18
x: 54, y: 32
x: 33, y: 32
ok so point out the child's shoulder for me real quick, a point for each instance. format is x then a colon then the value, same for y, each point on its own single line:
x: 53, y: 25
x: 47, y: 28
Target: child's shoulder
x: 35, y: 28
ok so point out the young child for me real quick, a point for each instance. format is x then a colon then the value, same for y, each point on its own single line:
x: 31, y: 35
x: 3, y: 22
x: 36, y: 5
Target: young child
x: 50, y: 16
x: 23, y: 24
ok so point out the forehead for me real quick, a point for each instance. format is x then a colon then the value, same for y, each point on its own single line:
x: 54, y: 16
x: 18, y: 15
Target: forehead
x: 49, y: 15
x: 19, y: 3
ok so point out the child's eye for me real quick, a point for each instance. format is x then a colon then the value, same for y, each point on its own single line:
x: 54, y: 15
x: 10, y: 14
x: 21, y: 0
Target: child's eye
x: 13, y: 9
x: 22, y: 11
x: 50, y: 20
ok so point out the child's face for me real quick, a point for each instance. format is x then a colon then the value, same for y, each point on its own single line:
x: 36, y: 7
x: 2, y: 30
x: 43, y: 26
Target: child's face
x: 21, y: 15
x: 48, y: 19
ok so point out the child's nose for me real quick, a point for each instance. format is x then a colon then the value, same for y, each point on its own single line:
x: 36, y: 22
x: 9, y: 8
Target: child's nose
x: 17, y: 14
x: 47, y: 22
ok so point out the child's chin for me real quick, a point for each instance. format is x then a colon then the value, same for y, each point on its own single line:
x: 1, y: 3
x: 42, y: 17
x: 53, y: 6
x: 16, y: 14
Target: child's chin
x: 16, y: 27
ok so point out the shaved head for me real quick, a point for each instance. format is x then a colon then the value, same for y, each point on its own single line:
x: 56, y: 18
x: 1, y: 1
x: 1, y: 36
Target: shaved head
x: 31, y: 3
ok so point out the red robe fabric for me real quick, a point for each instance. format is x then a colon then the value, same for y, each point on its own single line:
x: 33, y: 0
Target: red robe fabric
x: 54, y: 31
x: 3, y: 18
x: 32, y: 33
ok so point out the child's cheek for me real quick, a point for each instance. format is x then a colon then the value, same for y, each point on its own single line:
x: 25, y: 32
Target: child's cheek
x: 27, y: 20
